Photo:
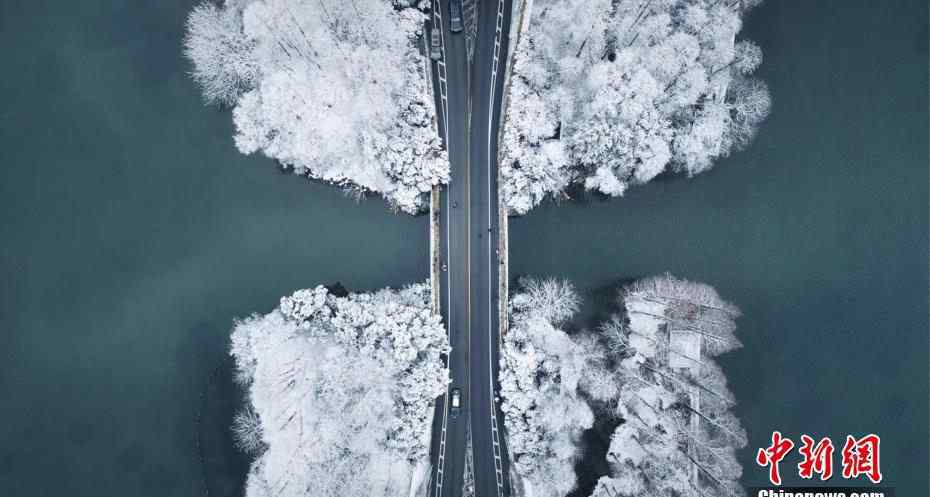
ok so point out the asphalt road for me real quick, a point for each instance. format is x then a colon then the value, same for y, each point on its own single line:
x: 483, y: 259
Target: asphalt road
x: 469, y: 103
x: 487, y: 80
x: 450, y: 83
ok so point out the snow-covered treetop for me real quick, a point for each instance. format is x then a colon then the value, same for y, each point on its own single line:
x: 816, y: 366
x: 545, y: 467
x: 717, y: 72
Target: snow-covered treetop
x: 682, y: 306
x: 552, y: 300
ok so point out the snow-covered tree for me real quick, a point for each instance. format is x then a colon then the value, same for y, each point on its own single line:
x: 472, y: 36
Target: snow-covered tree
x: 610, y: 94
x: 334, y: 90
x: 651, y: 366
x: 341, y: 390
x: 543, y: 372
x: 664, y: 304
x: 678, y: 436
x: 224, y: 58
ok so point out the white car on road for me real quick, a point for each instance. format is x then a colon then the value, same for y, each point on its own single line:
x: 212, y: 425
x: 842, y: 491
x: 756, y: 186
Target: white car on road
x: 455, y: 403
x: 435, y: 51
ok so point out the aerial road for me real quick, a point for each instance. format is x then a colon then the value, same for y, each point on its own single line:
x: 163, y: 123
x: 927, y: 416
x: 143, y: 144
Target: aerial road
x: 487, y: 83
x: 469, y: 105
x: 450, y: 83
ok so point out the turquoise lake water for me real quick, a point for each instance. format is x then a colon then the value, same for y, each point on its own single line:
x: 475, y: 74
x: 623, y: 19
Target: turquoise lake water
x: 133, y: 234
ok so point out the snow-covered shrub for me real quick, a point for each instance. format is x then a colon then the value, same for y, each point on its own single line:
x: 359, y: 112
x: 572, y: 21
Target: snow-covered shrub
x: 247, y: 431
x: 333, y: 90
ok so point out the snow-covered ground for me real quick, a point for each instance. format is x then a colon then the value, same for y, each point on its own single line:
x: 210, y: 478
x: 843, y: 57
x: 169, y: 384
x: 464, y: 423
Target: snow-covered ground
x: 341, y: 391
x: 333, y: 90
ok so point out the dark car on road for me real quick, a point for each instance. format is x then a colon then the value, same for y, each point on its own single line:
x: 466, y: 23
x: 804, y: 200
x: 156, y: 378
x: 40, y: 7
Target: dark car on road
x: 455, y: 402
x: 455, y: 16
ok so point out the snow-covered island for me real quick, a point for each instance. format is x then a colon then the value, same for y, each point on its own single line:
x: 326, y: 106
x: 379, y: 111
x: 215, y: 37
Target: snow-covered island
x: 334, y: 90
x: 650, y: 366
x: 341, y: 390
x: 610, y: 94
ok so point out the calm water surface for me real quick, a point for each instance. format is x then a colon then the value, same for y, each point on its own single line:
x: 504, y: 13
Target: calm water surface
x: 132, y: 233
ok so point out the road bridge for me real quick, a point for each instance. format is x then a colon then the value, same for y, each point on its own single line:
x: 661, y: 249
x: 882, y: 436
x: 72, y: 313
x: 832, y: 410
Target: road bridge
x: 468, y: 101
